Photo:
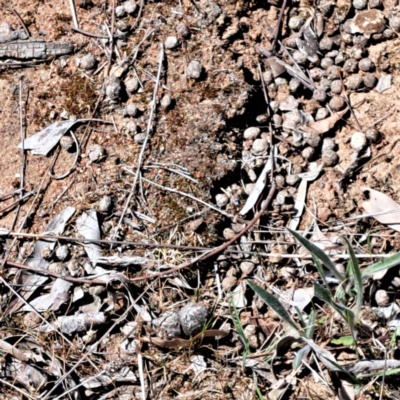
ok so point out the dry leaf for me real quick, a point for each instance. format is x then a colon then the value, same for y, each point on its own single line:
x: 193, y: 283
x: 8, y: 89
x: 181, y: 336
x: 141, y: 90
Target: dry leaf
x: 382, y: 208
x: 325, y: 124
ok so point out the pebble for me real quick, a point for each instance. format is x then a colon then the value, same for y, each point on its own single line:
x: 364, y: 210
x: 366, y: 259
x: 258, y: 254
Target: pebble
x: 171, y: 42
x: 322, y: 113
x: 329, y: 158
x: 354, y: 82
x: 131, y: 85
x: 105, y: 204
x: 319, y: 95
x: 336, y: 103
x: 228, y: 233
x: 260, y: 146
x: 166, y: 101
x: 372, y: 135
x: 131, y: 127
x: 67, y: 143
x: 292, y: 179
x: 120, y: 11
x: 130, y: 6
x: 268, y: 77
x: 169, y: 324
x: 336, y: 86
x: 183, y: 30
x: 326, y: 44
x: 368, y: 22
x: 313, y: 139
x: 251, y: 133
x: 328, y: 144
x: 296, y: 22
x: 193, y: 317
x: 228, y: 283
x: 194, y: 70
x: 370, y: 80
x: 139, y: 138
x: 382, y: 298
x: 95, y: 152
x: 394, y: 23
x: 113, y: 87
x: 358, y: 141
x: 131, y: 110
x: 359, y: 4
x: 88, y: 62
x: 366, y: 64
x: 221, y: 199
x: 300, y: 57
x: 308, y: 153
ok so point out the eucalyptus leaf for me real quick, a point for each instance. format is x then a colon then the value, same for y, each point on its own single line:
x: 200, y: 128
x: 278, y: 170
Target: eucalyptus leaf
x: 275, y: 304
x: 319, y: 253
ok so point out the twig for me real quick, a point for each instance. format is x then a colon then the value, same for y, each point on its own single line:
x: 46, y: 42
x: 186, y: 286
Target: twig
x: 111, y: 33
x: 186, y: 195
x: 22, y: 22
x: 73, y: 13
x: 278, y: 25
x: 62, y: 194
x: 46, y: 272
x: 17, y: 202
x: 78, y: 153
x: 217, y: 250
x: 148, y: 131
x: 135, y: 25
x: 93, y: 35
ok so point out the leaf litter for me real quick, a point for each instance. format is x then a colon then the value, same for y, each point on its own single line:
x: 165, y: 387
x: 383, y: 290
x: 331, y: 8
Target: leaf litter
x: 278, y: 307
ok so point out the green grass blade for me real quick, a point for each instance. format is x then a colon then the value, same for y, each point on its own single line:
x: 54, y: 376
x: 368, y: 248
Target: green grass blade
x: 239, y: 329
x: 343, y: 311
x: 275, y: 304
x: 320, y: 269
x: 320, y: 254
x: 356, y: 272
x: 386, y: 263
x: 311, y: 324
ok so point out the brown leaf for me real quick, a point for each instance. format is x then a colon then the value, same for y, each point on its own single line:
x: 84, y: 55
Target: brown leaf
x: 325, y: 124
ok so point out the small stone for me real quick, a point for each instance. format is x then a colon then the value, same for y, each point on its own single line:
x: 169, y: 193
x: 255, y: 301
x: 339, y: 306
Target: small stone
x: 166, y: 102
x: 274, y: 106
x: 113, y: 88
x: 354, y: 82
x: 262, y: 118
x: 350, y: 66
x: 366, y: 64
x: 74, y: 268
x: 183, y: 30
x: 317, y: 73
x: 368, y: 22
x: 139, y: 138
x: 281, y: 81
x: 95, y: 152
x: 228, y: 233
x: 277, y: 120
x: 333, y: 72
x: 308, y: 153
x: 131, y: 110
x: 382, y: 298
x: 169, y: 324
x: 370, y: 80
x: 62, y: 252
x: 105, y: 204
x: 251, y: 133
x: 328, y: 144
x: 268, y: 77
x: 248, y: 188
x: 340, y: 58
x: 388, y: 34
x: 221, y: 199
x: 374, y: 3
x: 260, y: 146
x: 326, y: 62
x: 372, y: 135
x: 195, y: 225
x: 123, y: 25
x: 67, y: 143
x: 336, y: 103
x: 130, y: 6
x: 300, y: 57
x: 194, y: 70
x: 171, y: 42
x: 336, y: 86
x: 322, y: 113
x: 329, y: 158
x: 313, y: 139
x: 85, y: 3
x: 131, y: 85
x: 56, y: 267
x: 193, y: 317
x: 296, y: 22
x: 279, y: 180
x: 88, y: 62
x: 292, y: 179
x: 247, y: 267
x: 120, y: 11
x: 319, y: 95
x: 358, y: 141
x: 326, y: 44
x: 131, y: 127
x: 394, y: 23
x: 294, y: 85
x: 359, y: 4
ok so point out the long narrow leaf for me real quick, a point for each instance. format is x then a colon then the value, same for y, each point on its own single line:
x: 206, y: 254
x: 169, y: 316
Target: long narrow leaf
x: 275, y: 304
x: 315, y: 250
x: 320, y: 269
x: 386, y: 263
x: 355, y: 270
x: 343, y: 311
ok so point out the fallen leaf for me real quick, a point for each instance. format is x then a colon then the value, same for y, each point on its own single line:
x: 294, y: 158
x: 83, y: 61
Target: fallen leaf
x: 325, y: 124
x: 88, y: 226
x: 382, y: 208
